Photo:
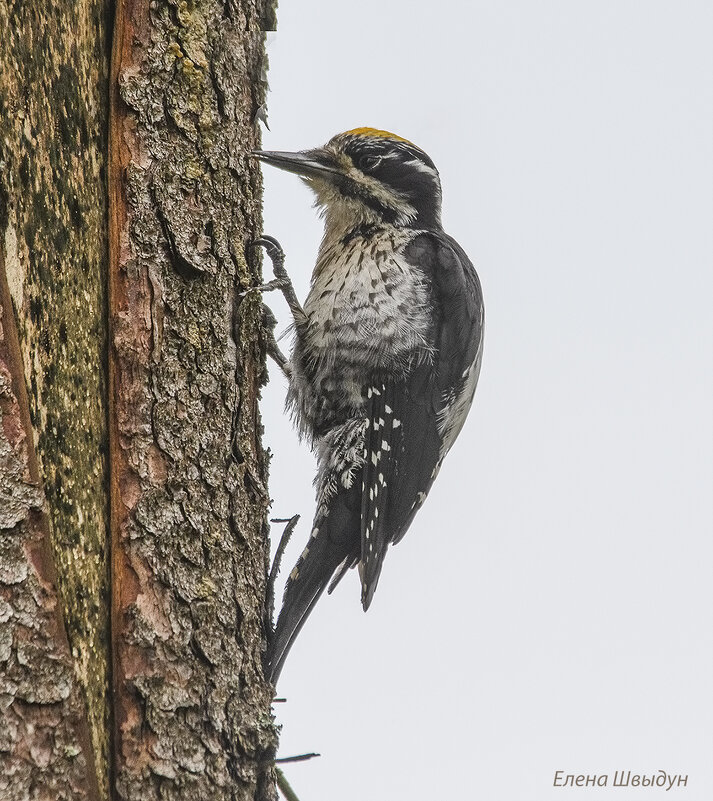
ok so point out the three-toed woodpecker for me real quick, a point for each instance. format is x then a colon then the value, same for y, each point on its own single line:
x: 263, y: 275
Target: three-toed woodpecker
x: 386, y: 356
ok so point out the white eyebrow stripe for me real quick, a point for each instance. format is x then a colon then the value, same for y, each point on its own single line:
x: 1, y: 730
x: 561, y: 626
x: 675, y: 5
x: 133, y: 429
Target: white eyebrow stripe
x: 421, y: 167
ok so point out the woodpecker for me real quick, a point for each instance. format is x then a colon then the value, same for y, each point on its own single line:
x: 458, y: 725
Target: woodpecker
x: 386, y: 357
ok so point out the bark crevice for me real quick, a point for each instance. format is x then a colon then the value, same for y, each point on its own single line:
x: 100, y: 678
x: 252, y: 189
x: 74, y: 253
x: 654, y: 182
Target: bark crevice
x: 188, y: 519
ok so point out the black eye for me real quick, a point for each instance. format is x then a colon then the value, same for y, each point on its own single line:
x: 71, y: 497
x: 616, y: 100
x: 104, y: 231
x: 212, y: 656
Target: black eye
x: 368, y: 163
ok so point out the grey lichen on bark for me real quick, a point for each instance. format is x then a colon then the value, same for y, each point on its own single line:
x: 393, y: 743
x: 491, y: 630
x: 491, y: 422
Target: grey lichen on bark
x: 53, y: 201
x: 189, y: 498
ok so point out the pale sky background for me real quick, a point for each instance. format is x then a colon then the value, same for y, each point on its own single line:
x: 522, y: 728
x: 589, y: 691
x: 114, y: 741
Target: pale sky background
x: 551, y: 608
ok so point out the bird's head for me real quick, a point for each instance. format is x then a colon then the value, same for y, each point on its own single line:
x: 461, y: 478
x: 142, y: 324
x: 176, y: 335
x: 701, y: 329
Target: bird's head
x: 367, y: 176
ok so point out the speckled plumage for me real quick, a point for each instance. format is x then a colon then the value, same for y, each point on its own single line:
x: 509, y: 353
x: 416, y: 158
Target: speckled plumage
x: 385, y: 362
x: 367, y: 316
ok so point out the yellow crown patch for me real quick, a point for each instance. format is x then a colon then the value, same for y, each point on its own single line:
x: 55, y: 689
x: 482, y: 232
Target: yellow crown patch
x: 379, y: 133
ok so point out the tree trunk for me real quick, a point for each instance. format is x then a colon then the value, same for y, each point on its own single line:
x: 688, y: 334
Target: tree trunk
x: 133, y: 499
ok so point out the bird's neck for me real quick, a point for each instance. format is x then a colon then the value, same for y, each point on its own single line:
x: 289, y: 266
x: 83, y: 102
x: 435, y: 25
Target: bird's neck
x: 345, y: 215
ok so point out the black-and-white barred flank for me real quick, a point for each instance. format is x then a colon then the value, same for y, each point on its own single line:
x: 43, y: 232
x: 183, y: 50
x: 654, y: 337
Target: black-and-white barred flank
x: 340, y: 457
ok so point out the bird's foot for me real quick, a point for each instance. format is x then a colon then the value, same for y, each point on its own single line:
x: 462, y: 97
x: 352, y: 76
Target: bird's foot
x: 271, y: 347
x: 282, y: 279
x: 273, y: 249
x: 276, y: 283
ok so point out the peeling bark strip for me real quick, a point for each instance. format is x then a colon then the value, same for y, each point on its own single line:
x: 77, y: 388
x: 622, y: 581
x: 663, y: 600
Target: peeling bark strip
x: 189, y: 502
x: 54, y: 63
x: 45, y: 750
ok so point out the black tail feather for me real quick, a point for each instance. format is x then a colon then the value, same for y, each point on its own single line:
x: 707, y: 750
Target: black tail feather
x: 307, y: 582
x: 335, y: 540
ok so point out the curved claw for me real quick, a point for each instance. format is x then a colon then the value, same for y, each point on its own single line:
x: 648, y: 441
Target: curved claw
x: 269, y: 321
x: 265, y: 240
x: 282, y: 279
x: 272, y: 247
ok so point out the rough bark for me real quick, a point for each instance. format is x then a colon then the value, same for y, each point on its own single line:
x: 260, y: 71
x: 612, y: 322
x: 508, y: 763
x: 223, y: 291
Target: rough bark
x: 188, y: 475
x: 53, y: 133
x: 142, y: 402
x: 45, y: 751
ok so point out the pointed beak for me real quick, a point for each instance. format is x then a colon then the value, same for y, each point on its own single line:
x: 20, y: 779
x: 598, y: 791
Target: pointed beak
x: 306, y: 163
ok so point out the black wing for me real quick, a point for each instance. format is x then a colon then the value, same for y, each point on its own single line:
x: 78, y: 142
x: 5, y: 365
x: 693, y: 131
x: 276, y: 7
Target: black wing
x: 413, y: 421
